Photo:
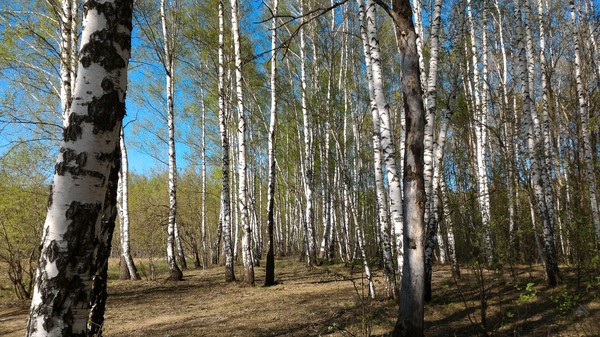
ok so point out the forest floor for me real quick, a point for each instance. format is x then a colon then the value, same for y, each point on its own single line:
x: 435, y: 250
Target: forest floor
x: 331, y: 300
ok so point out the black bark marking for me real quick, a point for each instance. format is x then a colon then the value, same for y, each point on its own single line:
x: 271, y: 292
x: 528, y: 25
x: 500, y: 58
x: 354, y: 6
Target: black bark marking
x: 73, y: 130
x: 53, y: 251
x: 50, y: 200
x: 74, y: 163
x: 105, y: 111
x: 102, y: 46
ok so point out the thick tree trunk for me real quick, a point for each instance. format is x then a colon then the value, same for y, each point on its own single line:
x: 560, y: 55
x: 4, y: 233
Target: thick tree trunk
x: 410, y: 314
x: 72, y: 239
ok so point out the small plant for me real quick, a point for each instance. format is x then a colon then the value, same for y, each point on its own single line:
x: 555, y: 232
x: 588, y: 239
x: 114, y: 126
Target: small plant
x: 566, y: 302
x: 529, y: 294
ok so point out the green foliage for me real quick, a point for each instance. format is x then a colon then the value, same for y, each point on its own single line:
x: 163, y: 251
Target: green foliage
x: 23, y: 201
x: 566, y: 301
x: 528, y: 293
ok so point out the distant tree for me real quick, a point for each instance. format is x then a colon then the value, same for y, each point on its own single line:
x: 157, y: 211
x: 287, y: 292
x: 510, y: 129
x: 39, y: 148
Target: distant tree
x: 128, y: 269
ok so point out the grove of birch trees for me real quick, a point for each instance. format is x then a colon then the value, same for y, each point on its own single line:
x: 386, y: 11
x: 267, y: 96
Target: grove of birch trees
x: 394, y: 136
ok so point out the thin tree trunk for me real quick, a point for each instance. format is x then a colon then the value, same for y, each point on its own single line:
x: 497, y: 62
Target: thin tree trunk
x: 175, y: 272
x: 588, y: 154
x: 432, y: 165
x: 309, y: 225
x: 71, y: 250
x: 243, y: 219
x: 179, y: 246
x: 203, y: 207
x: 126, y: 259
x: 270, y: 267
x: 508, y: 135
x: 449, y: 229
x: 382, y: 204
x: 537, y: 172
x: 387, y: 137
x: 66, y: 42
x: 225, y: 200
x: 432, y: 228
x: 480, y: 121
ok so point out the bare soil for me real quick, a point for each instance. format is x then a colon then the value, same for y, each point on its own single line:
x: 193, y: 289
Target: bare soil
x: 332, y: 300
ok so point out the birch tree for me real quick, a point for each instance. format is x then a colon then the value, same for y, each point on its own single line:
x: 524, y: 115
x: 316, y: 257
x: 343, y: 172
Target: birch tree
x: 382, y: 204
x: 309, y: 226
x: 270, y: 267
x: 68, y: 264
x: 410, y: 313
x: 243, y: 219
x: 480, y: 126
x: 169, y: 64
x: 387, y: 137
x: 432, y: 165
x: 535, y: 153
x: 128, y: 269
x: 225, y: 216
x: 590, y: 173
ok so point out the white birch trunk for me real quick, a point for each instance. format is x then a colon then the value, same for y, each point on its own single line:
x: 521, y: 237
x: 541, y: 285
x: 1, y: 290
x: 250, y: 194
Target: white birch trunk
x: 244, y: 218
x: 168, y: 38
x: 72, y: 246
x: 382, y: 204
x: 308, y: 155
x: 480, y: 121
x: 431, y: 167
x: 203, y: 196
x: 66, y: 67
x: 387, y: 138
x: 509, y: 136
x: 225, y: 199
x: 532, y: 129
x: 270, y: 267
x: 124, y: 207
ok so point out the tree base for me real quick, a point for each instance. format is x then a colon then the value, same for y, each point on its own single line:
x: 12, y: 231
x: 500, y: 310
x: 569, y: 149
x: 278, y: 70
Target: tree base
x: 175, y: 275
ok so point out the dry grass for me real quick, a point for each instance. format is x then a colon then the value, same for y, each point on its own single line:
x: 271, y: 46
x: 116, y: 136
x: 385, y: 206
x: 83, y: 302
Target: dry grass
x: 329, y: 300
